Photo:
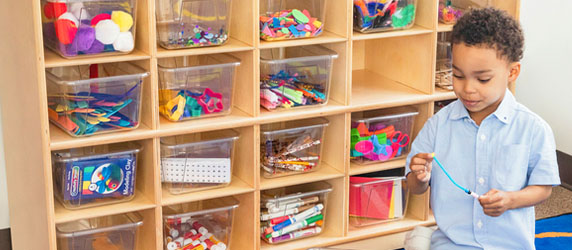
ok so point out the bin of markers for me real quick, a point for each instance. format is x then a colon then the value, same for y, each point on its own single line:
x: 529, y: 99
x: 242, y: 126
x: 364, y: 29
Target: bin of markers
x: 377, y: 200
x: 291, y: 19
x: 108, y: 232
x: 89, y: 27
x: 191, y: 24
x: 95, y: 175
x: 93, y: 99
x: 205, y: 224
x: 383, y: 15
x: 295, y: 76
x: 291, y: 147
x: 451, y: 10
x: 381, y: 135
x: 295, y: 212
x: 199, y: 161
x: 193, y: 87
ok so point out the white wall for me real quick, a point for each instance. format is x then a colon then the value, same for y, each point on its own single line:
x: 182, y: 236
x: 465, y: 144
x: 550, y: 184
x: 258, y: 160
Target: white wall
x: 4, y: 219
x: 545, y: 84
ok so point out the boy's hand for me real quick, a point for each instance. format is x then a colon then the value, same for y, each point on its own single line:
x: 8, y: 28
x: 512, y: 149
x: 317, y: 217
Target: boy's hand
x: 495, y: 202
x: 421, y: 166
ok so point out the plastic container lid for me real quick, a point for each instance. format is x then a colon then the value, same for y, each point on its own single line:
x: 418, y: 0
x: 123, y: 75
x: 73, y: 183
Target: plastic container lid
x: 296, y: 54
x: 380, y: 180
x: 385, y: 114
x: 293, y: 126
x: 174, y: 142
x: 182, y: 64
x: 94, y: 152
x: 98, y: 225
x: 208, y: 206
x: 124, y: 72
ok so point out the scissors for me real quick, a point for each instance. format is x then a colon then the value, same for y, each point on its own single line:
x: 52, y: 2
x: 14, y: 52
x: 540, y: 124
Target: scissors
x: 399, y: 140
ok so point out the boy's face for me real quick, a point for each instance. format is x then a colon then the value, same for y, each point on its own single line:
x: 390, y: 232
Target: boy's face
x: 480, y: 78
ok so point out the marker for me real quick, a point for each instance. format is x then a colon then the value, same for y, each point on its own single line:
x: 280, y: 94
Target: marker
x: 297, y: 226
x: 296, y: 235
x: 292, y: 204
x: 268, y: 216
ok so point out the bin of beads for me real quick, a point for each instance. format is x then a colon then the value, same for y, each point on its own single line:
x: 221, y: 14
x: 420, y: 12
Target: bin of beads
x: 88, y: 27
x: 451, y: 10
x: 193, y: 87
x: 295, y: 212
x: 108, y: 232
x: 375, y: 200
x: 93, y: 99
x: 95, y: 175
x: 383, y: 15
x: 205, y: 224
x: 291, y: 147
x: 291, y: 19
x: 381, y: 135
x: 295, y: 76
x: 192, y: 23
x: 198, y: 161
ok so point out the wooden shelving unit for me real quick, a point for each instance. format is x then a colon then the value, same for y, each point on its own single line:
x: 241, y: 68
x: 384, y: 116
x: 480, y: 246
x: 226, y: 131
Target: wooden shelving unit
x: 380, y: 70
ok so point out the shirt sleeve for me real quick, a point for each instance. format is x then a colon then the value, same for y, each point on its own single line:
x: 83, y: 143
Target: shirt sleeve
x: 424, y: 142
x: 542, y: 164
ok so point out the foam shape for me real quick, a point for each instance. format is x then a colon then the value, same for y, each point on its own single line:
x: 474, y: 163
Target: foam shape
x: 123, y: 19
x: 96, y: 47
x: 96, y: 19
x: 124, y: 42
x: 69, y: 16
x: 106, y: 31
x: 54, y: 10
x: 65, y: 30
x: 79, y: 11
x: 299, y: 16
x: 84, y: 38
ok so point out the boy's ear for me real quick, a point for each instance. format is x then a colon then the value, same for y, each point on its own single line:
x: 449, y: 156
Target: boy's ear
x: 514, y: 71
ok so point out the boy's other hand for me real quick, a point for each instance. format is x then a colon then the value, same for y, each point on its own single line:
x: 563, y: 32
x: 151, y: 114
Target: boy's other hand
x: 421, y: 166
x: 495, y: 202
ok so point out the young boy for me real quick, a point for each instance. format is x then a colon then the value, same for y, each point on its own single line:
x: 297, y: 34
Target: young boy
x: 488, y: 143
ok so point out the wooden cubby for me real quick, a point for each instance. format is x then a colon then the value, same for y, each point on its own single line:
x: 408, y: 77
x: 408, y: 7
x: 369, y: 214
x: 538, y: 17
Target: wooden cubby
x: 372, y: 71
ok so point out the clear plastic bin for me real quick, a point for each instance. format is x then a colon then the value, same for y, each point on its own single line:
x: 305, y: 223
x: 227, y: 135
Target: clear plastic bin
x: 304, y: 71
x: 377, y: 200
x: 96, y: 175
x: 444, y: 63
x: 383, y: 15
x: 199, y: 161
x: 305, y: 205
x: 89, y: 27
x: 291, y: 19
x: 451, y: 10
x: 93, y: 99
x: 207, y: 223
x: 192, y: 23
x: 194, y: 87
x: 112, y: 232
x: 381, y: 135
x: 291, y: 147
x: 441, y: 104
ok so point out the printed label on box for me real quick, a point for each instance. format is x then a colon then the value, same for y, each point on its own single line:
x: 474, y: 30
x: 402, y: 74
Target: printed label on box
x: 99, y: 178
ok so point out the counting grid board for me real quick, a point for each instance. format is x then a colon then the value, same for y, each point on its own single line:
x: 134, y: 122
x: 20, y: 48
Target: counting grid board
x: 195, y: 170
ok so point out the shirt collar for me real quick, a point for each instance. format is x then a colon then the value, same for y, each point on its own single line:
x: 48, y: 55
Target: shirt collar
x: 504, y: 112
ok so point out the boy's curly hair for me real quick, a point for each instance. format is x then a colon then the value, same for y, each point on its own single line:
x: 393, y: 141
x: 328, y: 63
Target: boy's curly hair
x: 492, y: 28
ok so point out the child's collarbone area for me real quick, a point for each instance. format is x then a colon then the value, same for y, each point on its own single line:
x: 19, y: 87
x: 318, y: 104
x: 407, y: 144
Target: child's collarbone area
x: 510, y: 167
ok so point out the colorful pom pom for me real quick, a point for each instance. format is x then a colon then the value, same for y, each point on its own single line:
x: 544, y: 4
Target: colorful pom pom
x: 100, y: 17
x: 84, y: 38
x: 65, y: 30
x: 106, y: 31
x: 123, y: 19
x: 124, y: 42
x: 69, y: 16
x: 54, y: 10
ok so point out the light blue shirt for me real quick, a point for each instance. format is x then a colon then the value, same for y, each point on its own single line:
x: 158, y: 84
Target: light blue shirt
x: 511, y: 149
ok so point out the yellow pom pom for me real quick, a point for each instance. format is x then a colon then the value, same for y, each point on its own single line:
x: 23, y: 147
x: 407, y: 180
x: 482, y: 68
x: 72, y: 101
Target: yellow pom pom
x: 123, y: 19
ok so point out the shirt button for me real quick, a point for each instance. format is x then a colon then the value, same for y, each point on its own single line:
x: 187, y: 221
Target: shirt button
x: 480, y: 224
x: 481, y: 181
x: 483, y: 137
